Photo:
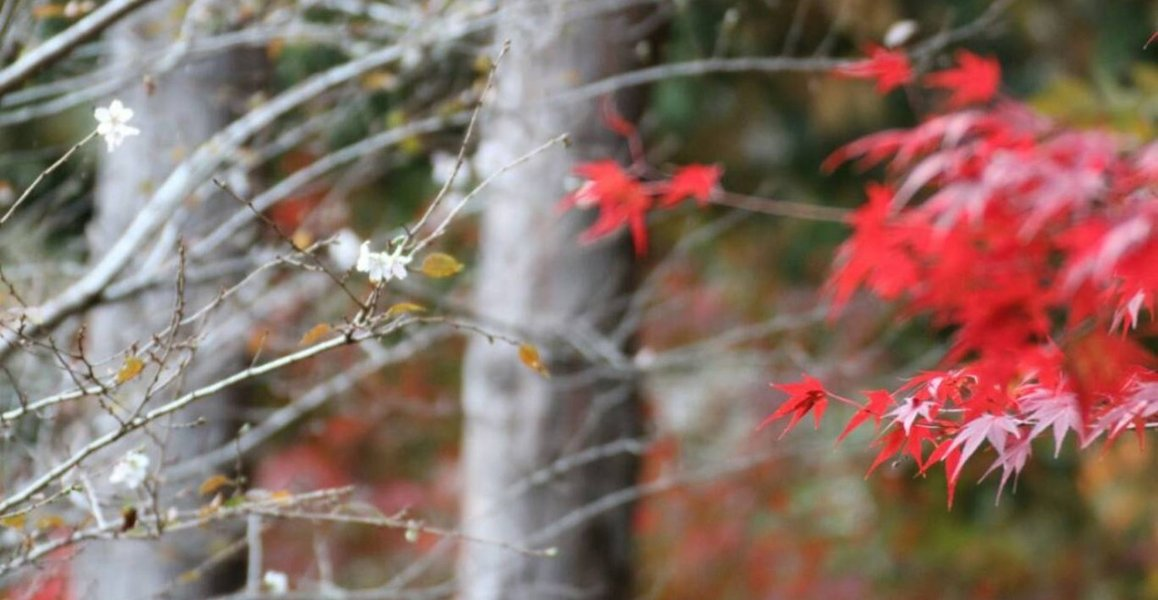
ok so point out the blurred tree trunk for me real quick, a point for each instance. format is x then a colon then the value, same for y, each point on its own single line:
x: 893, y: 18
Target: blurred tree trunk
x: 175, y: 113
x: 536, y: 277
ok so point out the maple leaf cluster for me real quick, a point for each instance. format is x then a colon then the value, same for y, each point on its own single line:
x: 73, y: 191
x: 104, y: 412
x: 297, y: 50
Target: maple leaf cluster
x: 1035, y: 244
x: 622, y: 196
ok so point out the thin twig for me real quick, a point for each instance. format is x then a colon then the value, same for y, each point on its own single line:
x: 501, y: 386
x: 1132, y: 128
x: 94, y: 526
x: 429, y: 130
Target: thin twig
x: 465, y: 141
x: 45, y: 173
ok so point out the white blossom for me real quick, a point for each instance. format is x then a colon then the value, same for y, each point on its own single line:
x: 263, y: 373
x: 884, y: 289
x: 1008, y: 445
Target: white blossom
x: 131, y: 470
x: 275, y: 582
x: 383, y: 266
x: 112, y: 123
x: 899, y: 33
x: 344, y: 249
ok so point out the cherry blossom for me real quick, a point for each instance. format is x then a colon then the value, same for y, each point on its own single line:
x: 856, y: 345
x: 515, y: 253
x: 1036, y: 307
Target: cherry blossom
x: 112, y: 123
x: 131, y: 470
x: 275, y: 582
x: 383, y: 266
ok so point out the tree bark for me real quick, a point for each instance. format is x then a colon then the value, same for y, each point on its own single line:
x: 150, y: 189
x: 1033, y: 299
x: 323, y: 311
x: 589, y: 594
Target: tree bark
x: 175, y: 113
x: 535, y: 277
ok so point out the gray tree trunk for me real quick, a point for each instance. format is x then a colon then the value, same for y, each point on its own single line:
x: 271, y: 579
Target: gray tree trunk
x: 535, y: 276
x: 175, y: 113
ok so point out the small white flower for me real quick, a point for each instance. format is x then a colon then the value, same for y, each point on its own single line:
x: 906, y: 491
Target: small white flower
x: 112, y: 123
x: 383, y: 266
x: 344, y: 249
x: 899, y: 33
x: 131, y: 470
x: 275, y: 582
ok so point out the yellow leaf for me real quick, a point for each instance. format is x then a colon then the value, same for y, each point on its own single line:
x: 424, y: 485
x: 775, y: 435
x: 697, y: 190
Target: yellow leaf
x: 281, y: 496
x: 530, y: 357
x: 45, y: 11
x: 315, y: 334
x: 302, y: 239
x: 213, y: 483
x: 482, y: 64
x: 412, y: 145
x: 130, y: 370
x: 378, y: 80
x: 14, y: 521
x: 49, y: 522
x: 403, y: 308
x: 440, y: 265
x: 395, y: 118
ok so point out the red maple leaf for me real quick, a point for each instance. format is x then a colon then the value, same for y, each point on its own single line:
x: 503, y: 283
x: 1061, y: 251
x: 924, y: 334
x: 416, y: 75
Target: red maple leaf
x: 973, y: 80
x: 621, y: 199
x: 876, y: 255
x: 693, y: 181
x: 605, y: 180
x: 803, y: 397
x: 876, y: 407
x: 890, y: 68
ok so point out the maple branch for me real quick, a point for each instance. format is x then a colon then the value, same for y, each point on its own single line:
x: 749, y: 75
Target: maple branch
x: 768, y: 65
x: 783, y: 208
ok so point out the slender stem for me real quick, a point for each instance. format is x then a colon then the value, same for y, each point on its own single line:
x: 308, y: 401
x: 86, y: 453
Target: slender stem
x: 45, y: 173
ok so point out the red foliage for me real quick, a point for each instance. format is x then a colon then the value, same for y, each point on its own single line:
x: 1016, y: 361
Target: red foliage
x: 624, y: 199
x: 974, y: 80
x: 620, y: 198
x: 890, y: 68
x: 808, y: 395
x: 51, y: 581
x: 1036, y: 246
x: 693, y: 181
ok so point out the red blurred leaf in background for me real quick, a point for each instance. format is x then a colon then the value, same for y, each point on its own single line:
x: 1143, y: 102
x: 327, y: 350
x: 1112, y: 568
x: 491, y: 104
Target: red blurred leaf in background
x: 973, y: 80
x: 621, y: 199
x: 890, y: 68
x: 693, y: 181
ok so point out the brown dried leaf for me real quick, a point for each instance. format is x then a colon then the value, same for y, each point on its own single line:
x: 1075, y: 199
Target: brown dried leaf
x: 128, y: 518
x: 315, y: 334
x: 529, y: 355
x: 274, y: 48
x: 213, y: 483
x: 47, y: 11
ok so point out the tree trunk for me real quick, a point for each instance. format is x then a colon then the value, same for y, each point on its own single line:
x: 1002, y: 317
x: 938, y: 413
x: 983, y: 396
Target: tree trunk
x: 175, y: 113
x: 535, y: 277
